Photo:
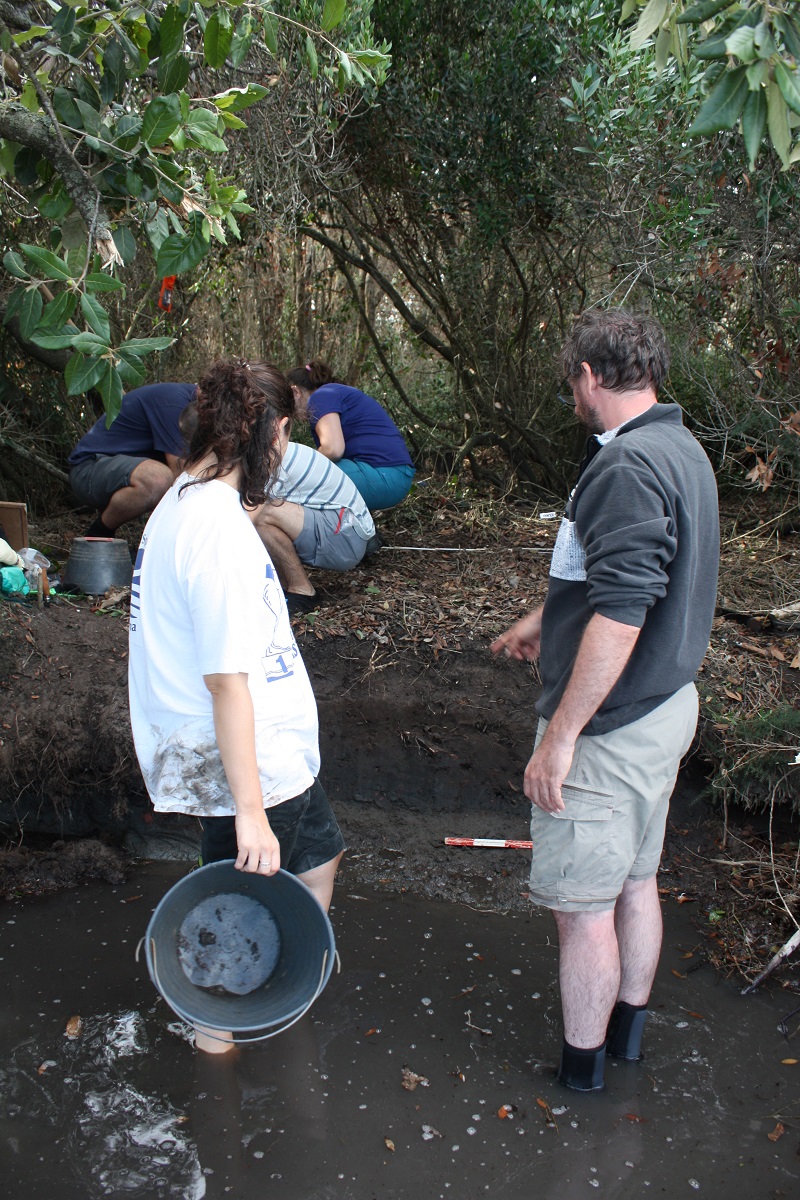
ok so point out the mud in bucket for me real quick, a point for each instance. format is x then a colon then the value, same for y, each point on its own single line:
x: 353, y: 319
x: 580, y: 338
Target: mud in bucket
x: 231, y: 950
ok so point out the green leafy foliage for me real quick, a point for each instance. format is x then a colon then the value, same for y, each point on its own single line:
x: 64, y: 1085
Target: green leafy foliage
x: 760, y: 46
x: 107, y: 125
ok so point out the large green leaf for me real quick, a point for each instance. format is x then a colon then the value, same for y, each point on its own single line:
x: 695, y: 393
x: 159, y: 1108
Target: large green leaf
x: 161, y: 117
x: 131, y: 370
x: 14, y: 265
x: 30, y: 311
x: 49, y: 264
x: 170, y: 31
x: 242, y: 40
x: 333, y: 14
x: 787, y: 82
x: 98, y: 281
x: 742, y: 44
x: 696, y: 13
x: 141, y: 346
x: 210, y: 142
x: 182, y: 252
x: 58, y: 311
x: 115, y: 71
x: 96, y: 316
x: 65, y: 107
x: 778, y: 124
x: 109, y: 385
x: 127, y: 131
x: 90, y: 343
x: 173, y: 73
x: 721, y: 109
x: 654, y: 14
x: 217, y: 38
x: 235, y: 99
x: 82, y: 373
x: 270, y: 33
x: 125, y: 243
x: 787, y: 25
x: 754, y: 122
x: 60, y: 340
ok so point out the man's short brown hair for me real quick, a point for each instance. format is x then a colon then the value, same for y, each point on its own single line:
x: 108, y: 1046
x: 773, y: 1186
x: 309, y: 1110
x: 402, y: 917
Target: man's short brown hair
x: 624, y: 350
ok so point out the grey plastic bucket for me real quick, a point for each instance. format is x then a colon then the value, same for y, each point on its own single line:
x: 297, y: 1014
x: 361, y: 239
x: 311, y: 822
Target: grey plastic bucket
x: 298, y: 961
x: 97, y: 564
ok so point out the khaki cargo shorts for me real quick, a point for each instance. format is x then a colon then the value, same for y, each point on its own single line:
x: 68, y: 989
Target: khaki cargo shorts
x: 616, y: 798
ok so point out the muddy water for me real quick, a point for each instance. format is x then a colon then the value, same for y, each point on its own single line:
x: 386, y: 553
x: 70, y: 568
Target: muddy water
x: 466, y: 1000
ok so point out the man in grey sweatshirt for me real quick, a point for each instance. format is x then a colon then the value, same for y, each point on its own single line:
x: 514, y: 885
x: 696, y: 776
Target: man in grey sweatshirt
x: 620, y: 637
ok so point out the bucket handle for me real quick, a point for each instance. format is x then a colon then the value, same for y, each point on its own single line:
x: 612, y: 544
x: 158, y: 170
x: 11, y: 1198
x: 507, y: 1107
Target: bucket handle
x: 262, y: 1037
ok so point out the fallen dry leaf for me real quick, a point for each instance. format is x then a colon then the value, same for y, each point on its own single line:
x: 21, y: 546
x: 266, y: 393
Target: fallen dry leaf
x: 548, y: 1113
x: 370, y: 1032
x: 411, y: 1080
x: 637, y: 1120
x: 677, y: 974
x: 777, y: 1132
x: 760, y: 474
x: 73, y: 1029
x: 389, y: 1144
x: 789, y: 1062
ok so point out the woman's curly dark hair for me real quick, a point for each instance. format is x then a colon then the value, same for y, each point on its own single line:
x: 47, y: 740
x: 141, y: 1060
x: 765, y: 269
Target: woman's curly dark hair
x: 238, y: 409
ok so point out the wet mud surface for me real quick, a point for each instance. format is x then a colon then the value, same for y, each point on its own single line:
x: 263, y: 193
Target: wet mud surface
x: 103, y: 1095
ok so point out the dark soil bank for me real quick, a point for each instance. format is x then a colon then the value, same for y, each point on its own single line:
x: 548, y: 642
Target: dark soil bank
x: 412, y: 751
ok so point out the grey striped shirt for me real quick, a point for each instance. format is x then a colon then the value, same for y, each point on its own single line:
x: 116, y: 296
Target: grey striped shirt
x: 310, y: 479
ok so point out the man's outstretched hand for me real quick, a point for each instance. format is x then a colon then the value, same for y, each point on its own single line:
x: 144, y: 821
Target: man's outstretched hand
x: 521, y: 640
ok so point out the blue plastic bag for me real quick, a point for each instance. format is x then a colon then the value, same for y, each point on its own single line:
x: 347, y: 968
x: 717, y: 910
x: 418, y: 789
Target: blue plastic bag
x: 13, y: 582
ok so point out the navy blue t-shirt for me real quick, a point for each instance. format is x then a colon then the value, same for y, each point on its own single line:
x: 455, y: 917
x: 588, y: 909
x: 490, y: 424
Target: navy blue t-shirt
x: 370, y: 434
x: 146, y: 426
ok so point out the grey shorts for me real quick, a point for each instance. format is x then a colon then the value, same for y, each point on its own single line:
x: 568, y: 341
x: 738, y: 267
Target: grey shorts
x: 329, y: 540
x: 616, y: 798
x: 94, y: 480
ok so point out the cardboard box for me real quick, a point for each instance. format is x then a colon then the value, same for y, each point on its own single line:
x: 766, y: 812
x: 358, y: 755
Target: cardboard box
x: 14, y: 522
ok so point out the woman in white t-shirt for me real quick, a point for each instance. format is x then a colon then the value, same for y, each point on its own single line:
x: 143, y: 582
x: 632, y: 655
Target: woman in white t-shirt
x: 223, y: 715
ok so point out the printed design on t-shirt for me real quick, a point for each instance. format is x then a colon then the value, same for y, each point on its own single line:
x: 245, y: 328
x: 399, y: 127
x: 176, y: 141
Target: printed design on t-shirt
x: 278, y: 661
x: 136, y: 583
x: 569, y: 557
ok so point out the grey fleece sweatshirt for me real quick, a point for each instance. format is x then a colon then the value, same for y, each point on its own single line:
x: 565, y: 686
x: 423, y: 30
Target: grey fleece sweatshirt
x: 640, y: 545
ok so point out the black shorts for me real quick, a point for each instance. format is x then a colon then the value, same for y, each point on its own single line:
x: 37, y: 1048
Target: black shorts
x: 307, y: 830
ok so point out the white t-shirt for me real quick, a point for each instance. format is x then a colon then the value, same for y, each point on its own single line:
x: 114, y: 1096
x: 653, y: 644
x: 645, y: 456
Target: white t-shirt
x: 205, y: 599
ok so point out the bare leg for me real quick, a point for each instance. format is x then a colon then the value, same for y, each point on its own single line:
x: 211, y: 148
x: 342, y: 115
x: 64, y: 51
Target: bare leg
x: 149, y: 481
x: 320, y: 880
x: 279, y: 526
x: 639, y: 929
x: 213, y: 1041
x: 283, y: 554
x: 589, y: 973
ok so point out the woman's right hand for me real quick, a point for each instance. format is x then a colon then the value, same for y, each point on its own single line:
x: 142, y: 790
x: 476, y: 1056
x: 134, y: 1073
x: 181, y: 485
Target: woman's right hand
x: 259, y: 849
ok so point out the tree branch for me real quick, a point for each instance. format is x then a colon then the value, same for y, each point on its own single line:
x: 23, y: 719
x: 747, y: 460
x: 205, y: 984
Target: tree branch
x: 35, y: 132
x: 34, y: 458
x: 341, y: 254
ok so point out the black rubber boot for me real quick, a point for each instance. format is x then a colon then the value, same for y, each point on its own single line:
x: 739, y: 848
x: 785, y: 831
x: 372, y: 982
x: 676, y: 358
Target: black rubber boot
x: 99, y: 530
x: 625, y: 1028
x: 582, y: 1070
